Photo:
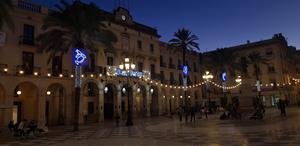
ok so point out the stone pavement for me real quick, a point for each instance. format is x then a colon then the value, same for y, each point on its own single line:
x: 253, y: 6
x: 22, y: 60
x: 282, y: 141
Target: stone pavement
x: 272, y: 131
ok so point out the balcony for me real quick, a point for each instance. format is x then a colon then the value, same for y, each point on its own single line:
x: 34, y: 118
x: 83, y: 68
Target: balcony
x: 171, y: 66
x: 26, y: 41
x: 29, y: 6
x: 21, y: 69
x: 163, y: 65
x: 173, y: 82
x: 155, y: 76
x: 96, y: 70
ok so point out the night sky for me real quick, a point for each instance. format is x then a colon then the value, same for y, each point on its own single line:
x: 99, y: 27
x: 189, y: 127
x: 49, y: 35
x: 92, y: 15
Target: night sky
x: 218, y: 23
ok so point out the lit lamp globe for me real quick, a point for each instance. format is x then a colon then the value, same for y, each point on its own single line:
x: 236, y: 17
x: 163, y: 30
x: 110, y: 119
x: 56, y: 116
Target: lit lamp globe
x: 105, y: 90
x: 19, y: 92
x: 124, y: 90
x: 48, y: 92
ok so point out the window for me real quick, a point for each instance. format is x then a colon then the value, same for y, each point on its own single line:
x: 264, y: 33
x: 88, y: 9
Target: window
x: 139, y: 44
x: 172, y: 80
x: 271, y: 69
x: 28, y: 60
x: 125, y: 42
x: 151, y: 48
x: 162, y: 75
x: 269, y: 51
x: 110, y: 61
x: 179, y: 64
x: 152, y: 69
x: 56, y: 66
x: 28, y: 34
x: 171, y: 63
x: 180, y: 79
x: 92, y: 62
x: 140, y: 66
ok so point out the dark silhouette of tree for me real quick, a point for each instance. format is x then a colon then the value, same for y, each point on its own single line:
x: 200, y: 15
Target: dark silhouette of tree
x: 76, y: 25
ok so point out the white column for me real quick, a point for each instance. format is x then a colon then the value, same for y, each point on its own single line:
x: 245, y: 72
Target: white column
x: 101, y: 102
x: 149, y: 101
x: 119, y: 101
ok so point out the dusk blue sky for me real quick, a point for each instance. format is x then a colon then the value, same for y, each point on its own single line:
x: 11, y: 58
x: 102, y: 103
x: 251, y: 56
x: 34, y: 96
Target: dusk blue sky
x: 217, y: 23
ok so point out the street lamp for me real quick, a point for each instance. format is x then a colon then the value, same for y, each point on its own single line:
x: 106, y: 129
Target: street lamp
x: 128, y: 66
x: 207, y: 77
x: 238, y: 79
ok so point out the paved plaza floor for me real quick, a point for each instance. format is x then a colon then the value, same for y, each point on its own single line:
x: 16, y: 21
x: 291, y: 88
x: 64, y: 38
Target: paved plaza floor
x: 166, y: 131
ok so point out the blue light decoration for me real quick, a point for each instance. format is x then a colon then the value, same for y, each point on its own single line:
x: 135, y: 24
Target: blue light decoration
x: 185, y: 70
x: 79, y: 57
x: 224, y: 77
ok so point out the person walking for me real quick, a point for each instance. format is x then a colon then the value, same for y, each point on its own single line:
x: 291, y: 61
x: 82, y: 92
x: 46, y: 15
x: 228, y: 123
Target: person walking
x: 282, y: 108
x: 193, y: 114
x: 180, y: 113
x: 205, y: 111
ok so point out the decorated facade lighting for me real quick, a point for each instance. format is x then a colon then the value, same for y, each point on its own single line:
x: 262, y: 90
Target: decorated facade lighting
x: 100, y: 75
x: 91, y: 75
x: 5, y: 69
x: 21, y: 72
x: 60, y: 75
x: 48, y: 75
x: 173, y: 96
x: 82, y: 76
x: 164, y: 96
x: 48, y: 92
x: 71, y: 76
x: 36, y: 73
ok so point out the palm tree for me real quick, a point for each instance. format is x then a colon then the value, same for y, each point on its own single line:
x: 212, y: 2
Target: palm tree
x: 185, y: 40
x: 256, y: 59
x: 75, y: 25
x: 5, y: 18
x: 222, y: 61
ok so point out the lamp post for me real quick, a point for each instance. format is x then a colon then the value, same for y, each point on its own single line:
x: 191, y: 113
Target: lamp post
x: 128, y: 66
x: 207, y: 77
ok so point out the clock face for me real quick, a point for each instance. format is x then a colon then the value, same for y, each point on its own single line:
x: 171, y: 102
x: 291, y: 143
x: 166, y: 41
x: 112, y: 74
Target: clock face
x: 123, y: 17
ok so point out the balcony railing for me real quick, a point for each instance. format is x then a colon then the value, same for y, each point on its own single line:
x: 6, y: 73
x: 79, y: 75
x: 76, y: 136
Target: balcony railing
x: 96, y: 70
x: 155, y: 76
x: 171, y: 66
x: 21, y: 69
x: 29, y: 6
x: 26, y: 41
x: 163, y: 65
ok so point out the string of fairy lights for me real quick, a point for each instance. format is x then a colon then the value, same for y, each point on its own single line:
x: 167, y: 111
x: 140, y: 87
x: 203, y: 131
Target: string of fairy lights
x: 170, y: 86
x: 157, y: 83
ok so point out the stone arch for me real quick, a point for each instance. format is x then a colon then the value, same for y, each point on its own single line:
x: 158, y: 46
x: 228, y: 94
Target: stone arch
x: 110, y: 100
x: 26, y: 102
x: 2, y: 105
x: 165, y: 101
x: 140, y: 101
x: 90, y: 101
x: 124, y: 99
x: 154, y: 101
x: 55, y: 109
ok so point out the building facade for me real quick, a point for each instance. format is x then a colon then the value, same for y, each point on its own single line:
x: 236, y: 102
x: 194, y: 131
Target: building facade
x: 33, y: 89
